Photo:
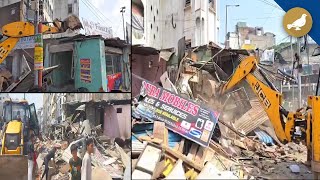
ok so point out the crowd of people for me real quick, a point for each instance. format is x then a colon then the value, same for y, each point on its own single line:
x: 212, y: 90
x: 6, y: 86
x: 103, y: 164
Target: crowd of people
x: 80, y: 169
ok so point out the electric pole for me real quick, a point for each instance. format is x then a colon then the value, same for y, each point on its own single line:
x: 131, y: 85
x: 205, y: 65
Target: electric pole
x: 38, y: 49
x: 123, y: 10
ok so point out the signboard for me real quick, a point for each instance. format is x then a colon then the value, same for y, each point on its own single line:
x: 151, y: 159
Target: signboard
x: 26, y: 43
x: 85, y: 70
x: 92, y: 28
x: 180, y: 115
x: 38, y: 52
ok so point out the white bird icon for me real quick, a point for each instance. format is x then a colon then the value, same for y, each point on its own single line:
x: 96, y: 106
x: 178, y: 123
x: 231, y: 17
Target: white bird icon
x: 298, y: 23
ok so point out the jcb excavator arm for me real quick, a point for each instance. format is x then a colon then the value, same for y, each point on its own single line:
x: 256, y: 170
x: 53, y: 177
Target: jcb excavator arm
x: 269, y: 97
x: 14, y: 31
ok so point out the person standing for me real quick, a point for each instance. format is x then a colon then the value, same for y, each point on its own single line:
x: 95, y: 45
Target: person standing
x: 75, y: 164
x: 46, y: 161
x: 31, y: 153
x: 86, y: 169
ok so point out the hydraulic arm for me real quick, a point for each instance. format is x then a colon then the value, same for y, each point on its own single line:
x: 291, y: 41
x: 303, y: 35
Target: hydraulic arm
x: 14, y: 31
x: 268, y: 96
x: 284, y: 122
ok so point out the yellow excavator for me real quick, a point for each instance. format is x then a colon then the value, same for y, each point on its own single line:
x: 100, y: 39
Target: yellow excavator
x: 18, y: 122
x: 16, y: 30
x: 286, y: 124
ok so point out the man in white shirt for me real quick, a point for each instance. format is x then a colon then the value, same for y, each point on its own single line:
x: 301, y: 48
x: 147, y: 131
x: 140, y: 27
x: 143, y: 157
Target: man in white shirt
x: 86, y: 169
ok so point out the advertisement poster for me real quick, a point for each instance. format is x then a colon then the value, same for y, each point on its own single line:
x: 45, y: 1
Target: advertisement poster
x: 85, y: 70
x: 183, y: 116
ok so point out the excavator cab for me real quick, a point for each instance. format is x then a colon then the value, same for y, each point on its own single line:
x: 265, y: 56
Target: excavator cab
x: 19, y: 120
x: 22, y: 112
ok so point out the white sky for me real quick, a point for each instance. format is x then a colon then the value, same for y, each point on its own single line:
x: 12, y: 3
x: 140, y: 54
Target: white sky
x: 36, y: 98
x: 111, y: 10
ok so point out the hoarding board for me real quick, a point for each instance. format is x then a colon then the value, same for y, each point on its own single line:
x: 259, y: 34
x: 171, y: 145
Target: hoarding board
x: 183, y: 116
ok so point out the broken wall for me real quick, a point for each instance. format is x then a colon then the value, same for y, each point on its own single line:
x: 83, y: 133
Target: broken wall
x: 140, y: 67
x: 117, y: 121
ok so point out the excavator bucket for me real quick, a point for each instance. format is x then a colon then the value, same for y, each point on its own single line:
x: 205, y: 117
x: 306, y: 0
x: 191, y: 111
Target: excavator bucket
x: 72, y: 22
x: 14, y: 167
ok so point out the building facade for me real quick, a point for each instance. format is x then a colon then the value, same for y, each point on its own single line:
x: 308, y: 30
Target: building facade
x: 63, y: 9
x: 201, y: 23
x: 161, y: 24
x: 3, y: 96
x: 246, y: 37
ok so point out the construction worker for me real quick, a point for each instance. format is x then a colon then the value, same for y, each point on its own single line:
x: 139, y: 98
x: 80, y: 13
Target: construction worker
x: 30, y: 150
x: 75, y: 163
x: 46, y: 161
x: 86, y: 169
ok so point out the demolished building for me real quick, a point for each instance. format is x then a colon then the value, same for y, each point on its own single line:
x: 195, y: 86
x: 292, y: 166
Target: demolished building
x: 243, y: 144
x: 103, y: 117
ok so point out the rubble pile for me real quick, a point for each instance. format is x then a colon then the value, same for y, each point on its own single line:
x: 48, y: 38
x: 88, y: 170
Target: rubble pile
x: 173, y: 157
x: 109, y: 160
x: 166, y: 143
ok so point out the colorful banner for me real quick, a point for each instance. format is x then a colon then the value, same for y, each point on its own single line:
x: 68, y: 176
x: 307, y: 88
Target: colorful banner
x: 180, y: 115
x: 85, y: 70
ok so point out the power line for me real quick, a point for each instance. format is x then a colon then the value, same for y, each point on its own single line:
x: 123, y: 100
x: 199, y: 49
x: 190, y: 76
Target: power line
x: 95, y: 8
x: 93, y: 12
x: 270, y: 4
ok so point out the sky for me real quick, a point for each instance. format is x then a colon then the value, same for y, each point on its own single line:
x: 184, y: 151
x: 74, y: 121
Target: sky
x: 255, y: 13
x: 110, y: 10
x: 36, y: 98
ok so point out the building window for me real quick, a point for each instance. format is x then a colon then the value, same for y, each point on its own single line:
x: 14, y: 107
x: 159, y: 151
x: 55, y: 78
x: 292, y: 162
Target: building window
x: 70, y: 8
x: 187, y: 3
x: 75, y: 1
x: 113, y: 63
x: 119, y: 110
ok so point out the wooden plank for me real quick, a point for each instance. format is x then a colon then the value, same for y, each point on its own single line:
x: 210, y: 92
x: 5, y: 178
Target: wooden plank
x: 154, y: 140
x: 159, y: 130
x: 198, y: 158
x: 181, y: 145
x: 149, y: 158
x: 184, y: 158
x: 161, y: 166
x: 177, y: 172
x: 193, y: 151
x: 165, y: 137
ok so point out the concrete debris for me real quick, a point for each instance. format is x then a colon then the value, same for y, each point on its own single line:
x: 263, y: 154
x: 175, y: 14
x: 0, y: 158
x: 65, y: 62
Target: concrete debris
x: 109, y: 160
x: 243, y: 145
x: 294, y: 168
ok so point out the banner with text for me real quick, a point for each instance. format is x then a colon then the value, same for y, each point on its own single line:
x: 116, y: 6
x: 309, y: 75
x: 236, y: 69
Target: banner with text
x: 180, y: 115
x: 92, y: 28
